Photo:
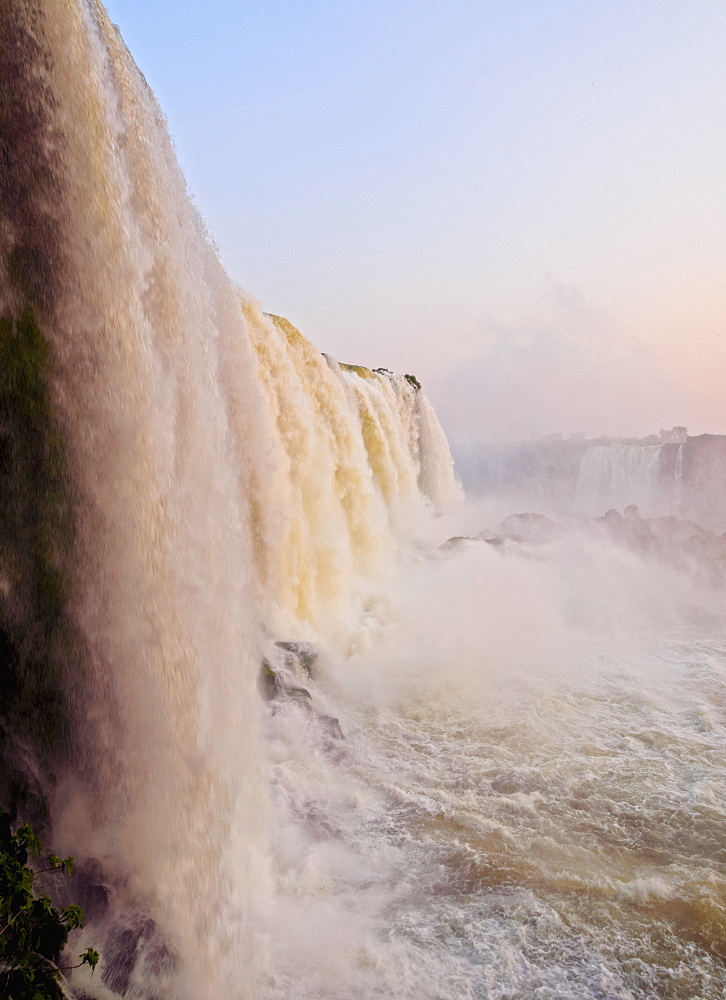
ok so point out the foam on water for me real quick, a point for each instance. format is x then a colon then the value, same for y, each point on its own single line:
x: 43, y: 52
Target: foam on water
x: 529, y: 801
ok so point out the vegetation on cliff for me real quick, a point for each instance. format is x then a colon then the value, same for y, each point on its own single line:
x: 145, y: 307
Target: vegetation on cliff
x: 33, y: 933
x: 36, y: 537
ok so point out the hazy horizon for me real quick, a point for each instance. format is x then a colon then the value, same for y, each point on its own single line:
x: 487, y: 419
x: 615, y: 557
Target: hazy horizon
x: 524, y: 207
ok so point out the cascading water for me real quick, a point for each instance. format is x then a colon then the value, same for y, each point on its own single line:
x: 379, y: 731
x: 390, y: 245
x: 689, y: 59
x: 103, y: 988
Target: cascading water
x: 678, y: 478
x: 528, y: 798
x: 615, y: 475
x: 203, y: 477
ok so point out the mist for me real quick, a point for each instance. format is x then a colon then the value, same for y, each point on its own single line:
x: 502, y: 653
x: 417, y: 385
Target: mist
x: 520, y: 713
x: 571, y: 366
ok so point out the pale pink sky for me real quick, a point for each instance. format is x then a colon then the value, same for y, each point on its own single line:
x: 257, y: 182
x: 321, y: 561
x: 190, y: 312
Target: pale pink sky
x: 522, y: 203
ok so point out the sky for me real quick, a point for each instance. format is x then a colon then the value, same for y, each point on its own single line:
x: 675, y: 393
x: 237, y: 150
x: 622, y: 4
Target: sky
x: 523, y: 203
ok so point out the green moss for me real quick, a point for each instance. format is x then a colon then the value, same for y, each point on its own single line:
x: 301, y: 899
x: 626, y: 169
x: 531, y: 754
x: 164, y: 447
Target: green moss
x: 267, y: 681
x: 414, y: 381
x: 36, y: 537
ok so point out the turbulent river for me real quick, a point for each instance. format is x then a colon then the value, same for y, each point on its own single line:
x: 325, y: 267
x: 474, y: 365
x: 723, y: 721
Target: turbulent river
x: 530, y: 799
x: 303, y: 736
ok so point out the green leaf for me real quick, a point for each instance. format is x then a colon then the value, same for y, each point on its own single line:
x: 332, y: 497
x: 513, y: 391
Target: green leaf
x: 33, y: 932
x: 72, y: 916
x: 28, y: 839
x: 90, y: 957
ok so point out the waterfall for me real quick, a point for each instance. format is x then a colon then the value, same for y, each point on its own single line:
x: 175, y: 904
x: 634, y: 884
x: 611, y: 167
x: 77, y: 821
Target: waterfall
x: 678, y: 480
x: 616, y: 475
x: 351, y: 454
x: 197, y: 477
x: 437, y: 478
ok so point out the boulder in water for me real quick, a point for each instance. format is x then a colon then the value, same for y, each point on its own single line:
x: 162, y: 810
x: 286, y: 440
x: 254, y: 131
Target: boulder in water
x: 267, y: 681
x: 331, y: 724
x: 297, y: 693
x: 272, y: 683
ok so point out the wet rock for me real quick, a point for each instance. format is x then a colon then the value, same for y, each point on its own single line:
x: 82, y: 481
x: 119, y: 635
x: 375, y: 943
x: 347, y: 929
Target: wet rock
x: 272, y: 683
x: 280, y: 673
x: 305, y: 653
x: 297, y: 693
x: 267, y: 681
x: 279, y: 685
x: 332, y: 726
x: 122, y: 951
x: 328, y: 723
x: 89, y: 888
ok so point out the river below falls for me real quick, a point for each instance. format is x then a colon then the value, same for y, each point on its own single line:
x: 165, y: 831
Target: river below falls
x: 545, y: 823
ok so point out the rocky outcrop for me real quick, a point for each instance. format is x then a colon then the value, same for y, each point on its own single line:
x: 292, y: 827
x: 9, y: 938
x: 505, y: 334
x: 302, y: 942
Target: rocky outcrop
x: 304, y: 654
x: 281, y: 672
x: 671, y: 540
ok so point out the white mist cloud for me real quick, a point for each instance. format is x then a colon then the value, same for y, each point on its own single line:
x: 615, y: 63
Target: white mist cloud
x: 571, y: 368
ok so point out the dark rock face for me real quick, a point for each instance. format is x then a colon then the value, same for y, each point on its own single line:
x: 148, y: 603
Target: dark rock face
x: 120, y: 956
x: 280, y: 673
x: 89, y: 888
x: 331, y: 726
x: 43, y: 655
x: 298, y: 693
x: 267, y: 681
x: 305, y: 653
x: 134, y: 941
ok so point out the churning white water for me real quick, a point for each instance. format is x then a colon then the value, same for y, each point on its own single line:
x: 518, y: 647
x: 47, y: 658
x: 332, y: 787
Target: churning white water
x: 503, y: 778
x: 530, y: 797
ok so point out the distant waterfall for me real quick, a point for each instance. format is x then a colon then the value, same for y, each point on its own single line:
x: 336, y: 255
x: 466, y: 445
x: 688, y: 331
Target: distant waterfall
x: 678, y: 478
x: 199, y: 475
x: 616, y: 475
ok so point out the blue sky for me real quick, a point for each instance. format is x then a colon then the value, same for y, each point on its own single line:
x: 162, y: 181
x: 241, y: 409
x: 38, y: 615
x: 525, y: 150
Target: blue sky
x: 524, y: 203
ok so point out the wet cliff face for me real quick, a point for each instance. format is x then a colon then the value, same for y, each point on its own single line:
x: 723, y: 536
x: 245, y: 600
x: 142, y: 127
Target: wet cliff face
x: 41, y: 649
x: 179, y: 474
